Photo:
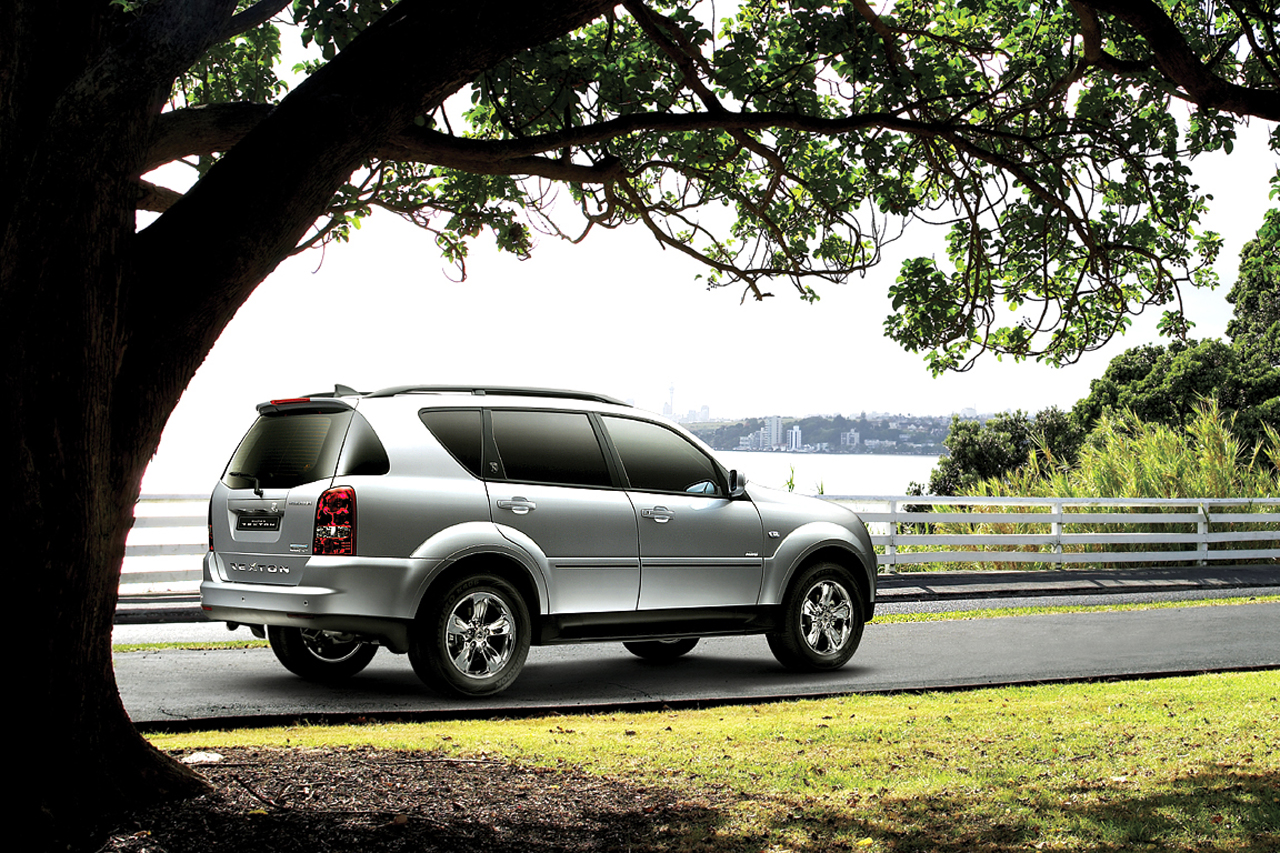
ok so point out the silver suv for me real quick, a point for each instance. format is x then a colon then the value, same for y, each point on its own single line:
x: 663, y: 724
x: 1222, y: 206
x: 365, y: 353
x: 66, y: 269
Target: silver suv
x: 462, y: 525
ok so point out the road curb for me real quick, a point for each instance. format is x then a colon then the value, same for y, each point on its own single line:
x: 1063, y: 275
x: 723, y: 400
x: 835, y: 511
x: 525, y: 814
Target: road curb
x: 937, y: 586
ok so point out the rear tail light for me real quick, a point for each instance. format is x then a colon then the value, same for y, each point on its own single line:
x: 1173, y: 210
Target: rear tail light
x: 210, y: 524
x: 336, y: 522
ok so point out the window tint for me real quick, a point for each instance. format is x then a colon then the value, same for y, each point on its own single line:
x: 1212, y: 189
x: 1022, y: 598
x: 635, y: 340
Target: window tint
x: 459, y: 431
x: 657, y: 459
x: 549, y: 447
x: 283, y: 451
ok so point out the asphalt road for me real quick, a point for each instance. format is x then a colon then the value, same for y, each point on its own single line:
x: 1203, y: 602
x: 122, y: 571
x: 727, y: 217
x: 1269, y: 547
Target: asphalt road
x: 180, y: 687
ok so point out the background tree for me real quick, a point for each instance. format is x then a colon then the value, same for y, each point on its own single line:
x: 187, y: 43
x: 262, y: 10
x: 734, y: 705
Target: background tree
x: 1150, y: 384
x: 1166, y: 384
x: 1256, y: 293
x: 1001, y: 445
x: 1040, y: 134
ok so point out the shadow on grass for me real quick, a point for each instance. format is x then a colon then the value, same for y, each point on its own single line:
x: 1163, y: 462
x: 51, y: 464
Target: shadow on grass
x: 282, y: 801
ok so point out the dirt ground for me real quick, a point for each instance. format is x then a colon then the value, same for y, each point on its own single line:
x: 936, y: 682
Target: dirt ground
x: 319, y: 800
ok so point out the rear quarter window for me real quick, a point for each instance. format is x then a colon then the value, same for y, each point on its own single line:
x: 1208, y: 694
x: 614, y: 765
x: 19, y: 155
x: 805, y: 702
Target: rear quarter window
x: 460, y: 431
x: 362, y: 452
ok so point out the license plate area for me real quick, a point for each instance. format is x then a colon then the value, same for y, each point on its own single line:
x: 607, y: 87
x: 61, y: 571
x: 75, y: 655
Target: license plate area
x: 248, y: 521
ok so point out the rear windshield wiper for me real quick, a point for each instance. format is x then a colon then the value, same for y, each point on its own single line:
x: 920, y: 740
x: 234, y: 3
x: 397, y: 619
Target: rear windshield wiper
x: 257, y: 488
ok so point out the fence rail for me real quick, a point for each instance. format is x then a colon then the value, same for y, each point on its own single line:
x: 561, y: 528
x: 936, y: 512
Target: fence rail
x: 170, y: 533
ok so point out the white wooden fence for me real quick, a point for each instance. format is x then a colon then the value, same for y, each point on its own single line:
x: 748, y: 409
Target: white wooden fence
x: 1068, y: 531
x: 170, y: 533
x: 167, y: 544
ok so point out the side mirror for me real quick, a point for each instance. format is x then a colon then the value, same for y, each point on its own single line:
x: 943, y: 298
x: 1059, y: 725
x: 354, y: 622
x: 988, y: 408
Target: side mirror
x: 737, y: 484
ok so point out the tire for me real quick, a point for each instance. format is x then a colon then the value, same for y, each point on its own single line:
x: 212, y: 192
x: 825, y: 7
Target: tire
x: 321, y: 656
x: 473, y: 640
x: 660, y: 650
x: 822, y: 620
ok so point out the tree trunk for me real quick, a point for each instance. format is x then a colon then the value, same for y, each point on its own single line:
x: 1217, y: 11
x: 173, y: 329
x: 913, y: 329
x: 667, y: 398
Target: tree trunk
x: 105, y: 325
x: 77, y: 446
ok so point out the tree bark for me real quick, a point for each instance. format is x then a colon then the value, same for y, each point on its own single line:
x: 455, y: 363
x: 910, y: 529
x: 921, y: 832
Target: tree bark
x: 106, y: 325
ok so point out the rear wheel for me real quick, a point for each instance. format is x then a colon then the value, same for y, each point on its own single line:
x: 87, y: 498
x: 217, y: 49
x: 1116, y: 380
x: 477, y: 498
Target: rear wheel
x: 660, y: 649
x: 474, y: 640
x: 822, y: 620
x: 323, y: 656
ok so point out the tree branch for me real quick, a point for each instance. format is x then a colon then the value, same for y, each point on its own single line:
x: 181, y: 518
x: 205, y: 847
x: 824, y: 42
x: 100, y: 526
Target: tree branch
x: 257, y: 14
x: 1177, y: 61
x: 218, y: 127
x: 156, y: 198
x: 253, y: 207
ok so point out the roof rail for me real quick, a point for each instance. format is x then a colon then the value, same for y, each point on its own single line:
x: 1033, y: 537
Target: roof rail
x: 497, y: 390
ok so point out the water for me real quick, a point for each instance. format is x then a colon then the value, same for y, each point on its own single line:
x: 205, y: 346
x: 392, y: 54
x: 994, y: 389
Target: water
x: 831, y: 473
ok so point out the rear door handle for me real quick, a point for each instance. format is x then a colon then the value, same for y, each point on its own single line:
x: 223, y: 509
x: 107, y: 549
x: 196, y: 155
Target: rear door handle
x: 518, y: 505
x: 659, y: 514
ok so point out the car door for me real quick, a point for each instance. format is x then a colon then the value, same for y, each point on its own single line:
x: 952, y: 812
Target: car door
x: 698, y: 547
x: 555, y: 487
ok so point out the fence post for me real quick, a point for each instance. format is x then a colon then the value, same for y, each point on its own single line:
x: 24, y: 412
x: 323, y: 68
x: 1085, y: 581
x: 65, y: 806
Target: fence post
x: 1057, y: 532
x: 1202, y: 529
x: 891, y: 549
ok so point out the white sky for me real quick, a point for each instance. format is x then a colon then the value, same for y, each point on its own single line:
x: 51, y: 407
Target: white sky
x: 621, y: 316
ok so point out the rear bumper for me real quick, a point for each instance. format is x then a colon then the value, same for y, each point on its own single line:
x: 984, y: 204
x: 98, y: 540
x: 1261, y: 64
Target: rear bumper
x: 378, y: 597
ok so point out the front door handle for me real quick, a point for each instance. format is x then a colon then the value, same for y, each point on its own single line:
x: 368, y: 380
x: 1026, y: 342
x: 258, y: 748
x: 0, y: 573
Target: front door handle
x: 518, y: 505
x: 659, y: 514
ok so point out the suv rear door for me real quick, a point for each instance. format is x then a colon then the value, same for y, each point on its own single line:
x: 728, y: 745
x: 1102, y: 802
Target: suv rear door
x: 549, y: 479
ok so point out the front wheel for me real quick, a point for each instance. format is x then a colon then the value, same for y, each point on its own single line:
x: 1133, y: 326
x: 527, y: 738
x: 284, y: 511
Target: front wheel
x: 323, y: 656
x: 660, y: 649
x: 474, y: 640
x: 822, y: 620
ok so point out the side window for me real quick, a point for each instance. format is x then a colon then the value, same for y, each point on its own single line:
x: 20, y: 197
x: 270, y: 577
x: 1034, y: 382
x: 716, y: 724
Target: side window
x: 459, y: 431
x: 657, y: 459
x: 549, y: 447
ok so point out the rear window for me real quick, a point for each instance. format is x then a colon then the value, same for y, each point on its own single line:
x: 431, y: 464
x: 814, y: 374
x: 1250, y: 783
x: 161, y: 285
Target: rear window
x: 283, y: 451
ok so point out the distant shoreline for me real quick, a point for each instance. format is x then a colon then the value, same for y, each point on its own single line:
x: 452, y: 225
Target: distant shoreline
x: 937, y: 452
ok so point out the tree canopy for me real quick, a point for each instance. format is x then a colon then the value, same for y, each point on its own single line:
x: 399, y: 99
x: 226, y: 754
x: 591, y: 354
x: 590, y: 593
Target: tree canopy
x: 791, y: 142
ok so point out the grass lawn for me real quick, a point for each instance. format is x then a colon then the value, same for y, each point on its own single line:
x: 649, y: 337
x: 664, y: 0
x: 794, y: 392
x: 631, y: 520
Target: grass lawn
x: 1178, y: 764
